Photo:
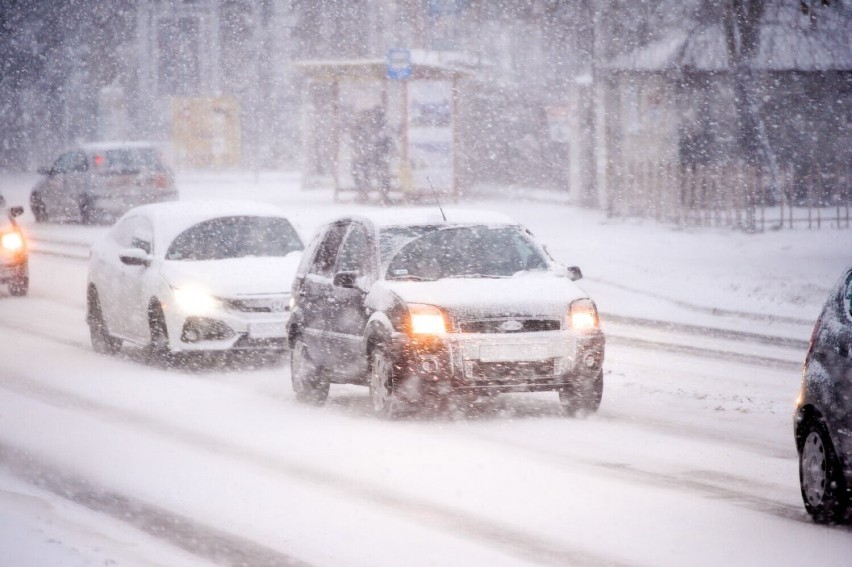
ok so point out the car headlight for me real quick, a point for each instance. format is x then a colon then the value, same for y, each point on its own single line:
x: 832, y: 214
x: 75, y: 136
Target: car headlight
x: 12, y: 241
x: 427, y: 320
x: 195, y: 301
x: 583, y: 315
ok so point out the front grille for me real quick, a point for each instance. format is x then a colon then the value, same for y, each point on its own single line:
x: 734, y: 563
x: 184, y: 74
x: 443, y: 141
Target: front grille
x: 509, y: 326
x: 510, y: 371
x: 270, y: 304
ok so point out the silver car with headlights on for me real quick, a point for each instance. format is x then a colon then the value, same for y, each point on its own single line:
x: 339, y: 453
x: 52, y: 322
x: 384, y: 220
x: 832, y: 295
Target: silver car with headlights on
x: 182, y: 276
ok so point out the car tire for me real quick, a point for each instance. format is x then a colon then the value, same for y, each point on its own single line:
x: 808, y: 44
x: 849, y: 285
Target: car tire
x: 384, y: 399
x: 19, y: 284
x: 88, y: 214
x: 158, y: 348
x: 102, y: 341
x: 309, y: 384
x: 38, y: 208
x: 584, y: 397
x: 821, y: 479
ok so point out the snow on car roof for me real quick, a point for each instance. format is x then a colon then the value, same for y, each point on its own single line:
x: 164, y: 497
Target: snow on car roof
x: 115, y: 145
x: 172, y: 218
x: 431, y: 215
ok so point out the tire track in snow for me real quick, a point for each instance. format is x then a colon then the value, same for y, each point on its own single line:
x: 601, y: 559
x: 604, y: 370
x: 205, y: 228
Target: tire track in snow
x: 375, y: 494
x: 709, y: 310
x: 702, y: 352
x: 695, y: 481
x: 511, y: 541
x: 685, y: 328
x: 191, y: 536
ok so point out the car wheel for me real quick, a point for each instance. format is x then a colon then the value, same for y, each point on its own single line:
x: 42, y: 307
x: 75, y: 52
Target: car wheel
x: 38, y: 208
x: 383, y: 396
x: 820, y: 476
x: 310, y: 386
x: 19, y: 285
x: 88, y: 214
x: 159, y: 345
x: 583, y: 397
x: 102, y: 341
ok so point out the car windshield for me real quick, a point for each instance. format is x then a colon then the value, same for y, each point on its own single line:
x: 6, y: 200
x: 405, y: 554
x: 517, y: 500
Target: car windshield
x: 127, y: 160
x: 469, y: 251
x: 235, y: 237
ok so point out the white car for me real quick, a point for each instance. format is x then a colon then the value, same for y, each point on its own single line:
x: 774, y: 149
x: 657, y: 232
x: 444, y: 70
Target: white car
x: 193, y: 276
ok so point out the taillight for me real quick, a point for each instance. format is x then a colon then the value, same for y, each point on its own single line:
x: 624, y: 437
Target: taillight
x: 161, y: 181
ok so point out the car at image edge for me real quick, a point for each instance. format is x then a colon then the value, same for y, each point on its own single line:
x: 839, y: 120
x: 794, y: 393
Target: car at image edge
x: 193, y: 276
x: 823, y: 417
x: 97, y: 182
x: 14, y: 255
x: 419, y: 308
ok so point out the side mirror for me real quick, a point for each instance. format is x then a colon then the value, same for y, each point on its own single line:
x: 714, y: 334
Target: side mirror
x: 45, y: 170
x: 16, y: 211
x: 574, y: 273
x: 346, y: 279
x: 134, y: 257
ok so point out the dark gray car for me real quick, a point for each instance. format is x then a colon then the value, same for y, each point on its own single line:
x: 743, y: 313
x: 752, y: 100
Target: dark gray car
x: 422, y: 309
x: 823, y: 419
x: 100, y: 182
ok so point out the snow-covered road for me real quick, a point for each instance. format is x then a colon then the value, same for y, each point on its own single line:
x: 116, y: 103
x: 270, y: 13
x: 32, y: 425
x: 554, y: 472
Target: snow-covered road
x: 689, y: 461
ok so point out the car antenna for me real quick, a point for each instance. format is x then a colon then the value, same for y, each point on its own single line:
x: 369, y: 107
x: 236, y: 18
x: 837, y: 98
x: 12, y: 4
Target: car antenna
x: 436, y: 198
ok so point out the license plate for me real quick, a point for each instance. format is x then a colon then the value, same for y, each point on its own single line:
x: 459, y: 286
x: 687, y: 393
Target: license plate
x: 510, y: 353
x: 267, y: 330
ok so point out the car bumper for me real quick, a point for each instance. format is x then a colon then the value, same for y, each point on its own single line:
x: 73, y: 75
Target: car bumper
x: 226, y: 330
x: 13, y: 267
x: 489, y: 363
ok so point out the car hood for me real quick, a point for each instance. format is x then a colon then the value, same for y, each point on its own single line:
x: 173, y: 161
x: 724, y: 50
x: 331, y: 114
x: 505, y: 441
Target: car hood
x: 235, y: 276
x: 525, y: 294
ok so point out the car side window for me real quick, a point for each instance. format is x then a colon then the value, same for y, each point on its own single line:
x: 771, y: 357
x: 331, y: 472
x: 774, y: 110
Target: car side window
x: 63, y: 163
x: 324, y: 261
x: 133, y: 232
x: 355, y: 253
x: 142, y: 236
x: 79, y: 163
x: 847, y: 298
x: 308, y: 255
x: 121, y: 233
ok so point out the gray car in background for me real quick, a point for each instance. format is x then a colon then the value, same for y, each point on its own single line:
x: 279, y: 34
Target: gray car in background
x: 99, y: 182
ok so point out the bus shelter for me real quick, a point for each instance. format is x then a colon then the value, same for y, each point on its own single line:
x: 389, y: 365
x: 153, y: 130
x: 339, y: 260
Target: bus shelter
x: 374, y: 137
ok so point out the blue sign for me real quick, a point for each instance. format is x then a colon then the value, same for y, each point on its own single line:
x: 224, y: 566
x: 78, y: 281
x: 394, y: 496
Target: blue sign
x: 399, y: 64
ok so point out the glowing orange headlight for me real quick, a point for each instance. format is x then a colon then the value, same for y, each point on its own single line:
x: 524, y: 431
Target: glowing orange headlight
x: 583, y: 315
x: 12, y: 241
x: 427, y: 320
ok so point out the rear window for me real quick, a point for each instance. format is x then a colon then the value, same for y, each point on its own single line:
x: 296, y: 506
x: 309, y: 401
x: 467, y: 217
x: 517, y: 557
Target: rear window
x: 127, y: 160
x: 235, y: 237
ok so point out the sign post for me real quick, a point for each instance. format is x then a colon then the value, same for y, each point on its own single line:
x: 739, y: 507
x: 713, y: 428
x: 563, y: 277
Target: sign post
x: 399, y: 64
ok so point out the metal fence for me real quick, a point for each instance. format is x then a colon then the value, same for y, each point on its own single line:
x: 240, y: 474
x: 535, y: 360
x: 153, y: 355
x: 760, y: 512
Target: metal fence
x: 737, y: 196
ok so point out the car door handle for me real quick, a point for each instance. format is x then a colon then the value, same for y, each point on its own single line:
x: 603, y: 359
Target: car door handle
x: 842, y: 350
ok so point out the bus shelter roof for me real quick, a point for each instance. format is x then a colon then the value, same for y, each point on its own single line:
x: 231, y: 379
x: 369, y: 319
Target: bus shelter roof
x: 371, y: 69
